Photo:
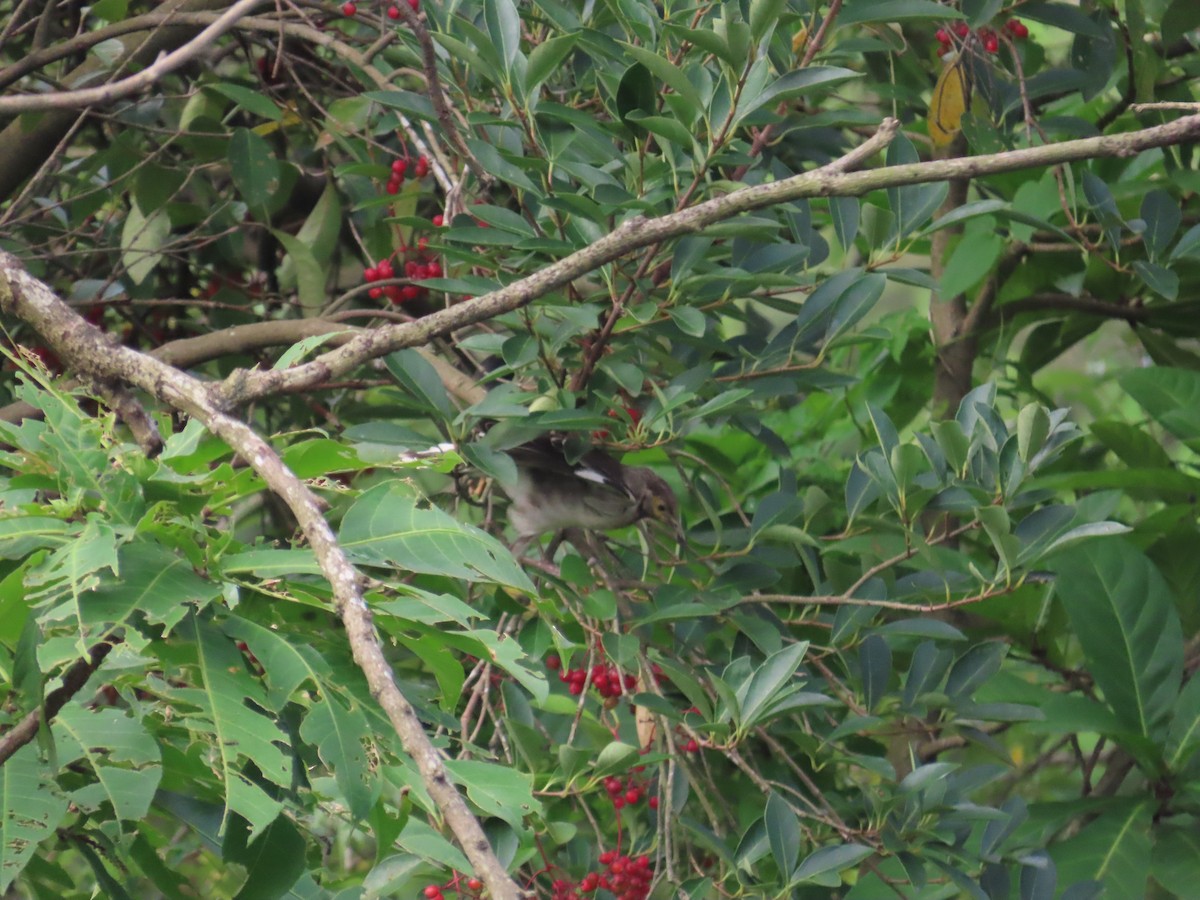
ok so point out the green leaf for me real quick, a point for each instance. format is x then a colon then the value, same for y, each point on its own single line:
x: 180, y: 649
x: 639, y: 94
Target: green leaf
x: 120, y: 753
x: 844, y: 211
x: 386, y: 528
x: 419, y: 378
x: 975, y: 667
x: 1125, y: 620
x: 1033, y: 427
x: 343, y: 738
x: 309, y: 274
x: 504, y: 28
x: 875, y: 661
x: 142, y: 239
x: 783, y: 832
x: 764, y: 14
x: 667, y: 72
x: 154, y: 582
x: 1161, y: 280
x: 251, y: 101
x: 636, y: 93
x: 1114, y: 849
x: 793, y: 84
x: 972, y: 261
x: 1064, y: 16
x: 33, y: 808
x: 1162, y: 216
x: 254, y: 168
x: 824, y: 866
x: 859, y: 12
x: 761, y: 689
x: 274, y: 860
x: 497, y: 790
x: 1173, y: 858
x: 1183, y: 738
x: 225, y: 704
x: 545, y: 58
x: 615, y: 758
x: 667, y: 128
x: 1170, y: 396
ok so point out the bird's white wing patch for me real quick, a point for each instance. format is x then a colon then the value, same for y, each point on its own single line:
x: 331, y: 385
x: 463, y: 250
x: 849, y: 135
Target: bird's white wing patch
x: 591, y: 475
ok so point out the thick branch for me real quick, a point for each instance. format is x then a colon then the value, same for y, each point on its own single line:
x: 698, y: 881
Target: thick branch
x: 72, y: 681
x: 95, y: 356
x: 636, y: 232
x: 127, y: 87
x: 25, y: 145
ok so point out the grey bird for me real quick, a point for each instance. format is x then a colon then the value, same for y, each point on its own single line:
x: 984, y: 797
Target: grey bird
x: 595, y: 493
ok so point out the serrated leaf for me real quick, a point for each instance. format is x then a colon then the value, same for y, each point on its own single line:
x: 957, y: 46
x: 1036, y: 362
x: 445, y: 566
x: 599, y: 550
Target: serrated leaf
x: 385, y: 527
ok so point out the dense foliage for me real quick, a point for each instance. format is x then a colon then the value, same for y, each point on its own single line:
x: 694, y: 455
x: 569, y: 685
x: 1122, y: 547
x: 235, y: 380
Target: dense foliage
x: 934, y: 631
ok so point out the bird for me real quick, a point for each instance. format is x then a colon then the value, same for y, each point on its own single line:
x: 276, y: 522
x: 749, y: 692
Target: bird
x: 594, y: 493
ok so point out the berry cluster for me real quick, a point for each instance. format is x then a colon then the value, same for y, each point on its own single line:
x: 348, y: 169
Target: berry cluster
x: 473, y: 887
x: 609, y: 681
x: 400, y: 169
x: 627, y: 877
x: 418, y: 267
x: 349, y: 10
x: 629, y: 791
x: 987, y: 37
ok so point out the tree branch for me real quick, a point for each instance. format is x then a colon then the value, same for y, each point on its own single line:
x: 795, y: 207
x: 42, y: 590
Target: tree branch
x: 127, y: 87
x: 91, y: 351
x: 636, y: 232
x: 72, y: 681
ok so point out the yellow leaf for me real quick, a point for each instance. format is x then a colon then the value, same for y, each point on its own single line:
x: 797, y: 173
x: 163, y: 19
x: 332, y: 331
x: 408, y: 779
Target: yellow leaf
x: 799, y: 40
x: 950, y: 102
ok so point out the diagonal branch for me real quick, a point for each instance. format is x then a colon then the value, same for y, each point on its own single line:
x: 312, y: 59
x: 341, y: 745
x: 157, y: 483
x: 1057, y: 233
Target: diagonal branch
x: 637, y: 231
x: 127, y: 87
x: 96, y: 357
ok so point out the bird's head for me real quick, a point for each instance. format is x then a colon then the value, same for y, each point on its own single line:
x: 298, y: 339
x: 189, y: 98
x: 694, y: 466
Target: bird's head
x: 656, y: 500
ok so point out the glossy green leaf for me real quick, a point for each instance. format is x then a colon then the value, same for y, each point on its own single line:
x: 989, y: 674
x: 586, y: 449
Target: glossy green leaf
x: 385, y: 527
x: 1170, y: 396
x: 254, y: 168
x: 783, y: 832
x: 1122, y: 612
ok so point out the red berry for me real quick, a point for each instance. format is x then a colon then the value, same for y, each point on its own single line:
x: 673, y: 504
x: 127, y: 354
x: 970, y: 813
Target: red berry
x: 434, y: 270
x: 607, y: 857
x: 632, y: 796
x: 962, y: 29
x: 576, y: 689
x: 438, y: 221
x: 991, y: 43
x: 652, y: 803
x: 553, y: 662
x: 1019, y: 30
x: 415, y: 4
x: 474, y: 884
x: 393, y: 186
x: 943, y: 36
x: 385, y: 268
x: 410, y: 292
x: 393, y: 13
x: 370, y: 274
x: 393, y: 292
x: 691, y: 746
x: 422, y: 243
x: 375, y: 293
x: 349, y: 9
x: 433, y: 892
